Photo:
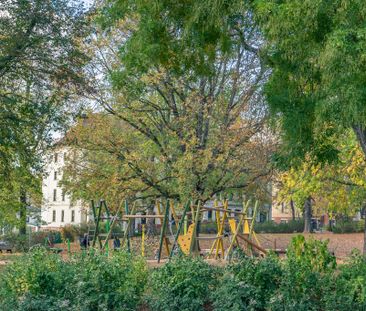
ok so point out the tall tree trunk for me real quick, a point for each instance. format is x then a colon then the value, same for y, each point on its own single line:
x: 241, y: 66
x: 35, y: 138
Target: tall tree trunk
x: 360, y: 132
x: 307, y: 215
x: 23, y: 212
x: 292, y: 205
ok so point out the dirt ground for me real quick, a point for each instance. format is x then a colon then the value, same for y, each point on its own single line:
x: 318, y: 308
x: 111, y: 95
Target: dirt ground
x: 341, y: 244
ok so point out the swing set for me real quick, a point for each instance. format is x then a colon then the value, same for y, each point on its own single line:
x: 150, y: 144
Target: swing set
x: 240, y: 233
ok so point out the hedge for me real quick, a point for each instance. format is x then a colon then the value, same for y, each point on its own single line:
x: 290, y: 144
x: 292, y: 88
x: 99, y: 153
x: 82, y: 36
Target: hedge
x: 307, y: 279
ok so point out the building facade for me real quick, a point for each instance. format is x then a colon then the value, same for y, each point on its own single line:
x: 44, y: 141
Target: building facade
x: 58, y: 209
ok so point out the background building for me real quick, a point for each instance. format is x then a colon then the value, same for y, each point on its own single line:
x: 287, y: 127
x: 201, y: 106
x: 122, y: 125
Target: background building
x: 57, y: 207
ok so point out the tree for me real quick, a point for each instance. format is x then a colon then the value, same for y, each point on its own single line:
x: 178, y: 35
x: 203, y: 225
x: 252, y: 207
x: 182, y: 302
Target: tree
x: 336, y: 188
x: 184, y: 101
x: 40, y: 68
x: 316, y: 50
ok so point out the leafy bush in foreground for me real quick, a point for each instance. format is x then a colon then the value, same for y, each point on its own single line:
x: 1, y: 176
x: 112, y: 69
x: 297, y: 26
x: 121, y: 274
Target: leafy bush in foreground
x: 308, y: 279
x: 307, y: 272
x: 43, y: 281
x: 247, y: 284
x: 183, y: 284
x: 347, y: 289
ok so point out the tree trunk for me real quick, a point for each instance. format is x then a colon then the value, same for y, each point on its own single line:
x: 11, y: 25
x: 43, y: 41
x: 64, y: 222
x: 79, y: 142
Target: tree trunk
x: 23, y: 213
x: 307, y: 216
x: 360, y: 132
x: 292, y: 205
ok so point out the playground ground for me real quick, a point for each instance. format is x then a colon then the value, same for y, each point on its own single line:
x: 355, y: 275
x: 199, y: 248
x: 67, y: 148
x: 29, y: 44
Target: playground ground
x: 341, y: 244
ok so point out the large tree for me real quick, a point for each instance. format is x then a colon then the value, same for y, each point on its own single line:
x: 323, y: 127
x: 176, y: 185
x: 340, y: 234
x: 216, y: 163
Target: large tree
x: 316, y: 49
x: 40, y: 67
x: 185, y: 90
x: 336, y: 188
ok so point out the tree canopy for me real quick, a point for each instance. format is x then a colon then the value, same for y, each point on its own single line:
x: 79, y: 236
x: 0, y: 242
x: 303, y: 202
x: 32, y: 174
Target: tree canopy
x: 316, y: 51
x: 185, y: 91
x: 40, y: 68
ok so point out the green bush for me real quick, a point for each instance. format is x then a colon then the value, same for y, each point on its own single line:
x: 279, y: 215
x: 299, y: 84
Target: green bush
x: 293, y: 226
x: 347, y: 289
x: 308, y: 279
x: 183, y: 284
x: 348, y: 226
x: 248, y: 284
x: 37, y: 273
x: 307, y: 273
x: 41, y: 280
x: 22, y: 243
x: 102, y: 283
x: 208, y: 227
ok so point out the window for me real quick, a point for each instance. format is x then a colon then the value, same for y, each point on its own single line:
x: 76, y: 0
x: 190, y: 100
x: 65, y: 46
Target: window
x: 53, y: 216
x: 56, y: 157
x: 63, y: 195
x: 54, y: 195
x: 72, y: 216
x: 62, y: 216
x: 55, y: 175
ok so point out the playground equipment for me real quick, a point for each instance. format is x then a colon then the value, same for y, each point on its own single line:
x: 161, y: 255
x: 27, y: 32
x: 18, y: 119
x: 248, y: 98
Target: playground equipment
x: 240, y: 232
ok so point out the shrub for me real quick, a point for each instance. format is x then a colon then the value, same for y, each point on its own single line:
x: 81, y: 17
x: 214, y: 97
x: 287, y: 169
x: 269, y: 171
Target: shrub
x: 102, y: 283
x: 208, y: 227
x: 34, y: 274
x: 22, y: 243
x: 307, y: 274
x: 69, y: 232
x: 348, y: 226
x: 347, y: 290
x: 247, y: 284
x: 272, y: 227
x: 43, y: 281
x: 184, y: 283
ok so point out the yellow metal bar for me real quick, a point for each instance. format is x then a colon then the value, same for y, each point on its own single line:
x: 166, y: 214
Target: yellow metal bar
x: 253, y: 218
x: 220, y: 233
x: 241, y: 220
x: 214, y: 244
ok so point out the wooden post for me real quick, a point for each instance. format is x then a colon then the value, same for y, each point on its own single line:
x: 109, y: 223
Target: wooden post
x: 96, y: 232
x: 196, y: 219
x: 143, y: 240
x: 128, y: 228
x: 114, y: 221
x: 182, y: 220
x: 162, y: 233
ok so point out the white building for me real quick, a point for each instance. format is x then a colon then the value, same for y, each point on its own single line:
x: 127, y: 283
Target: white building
x: 58, y: 209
